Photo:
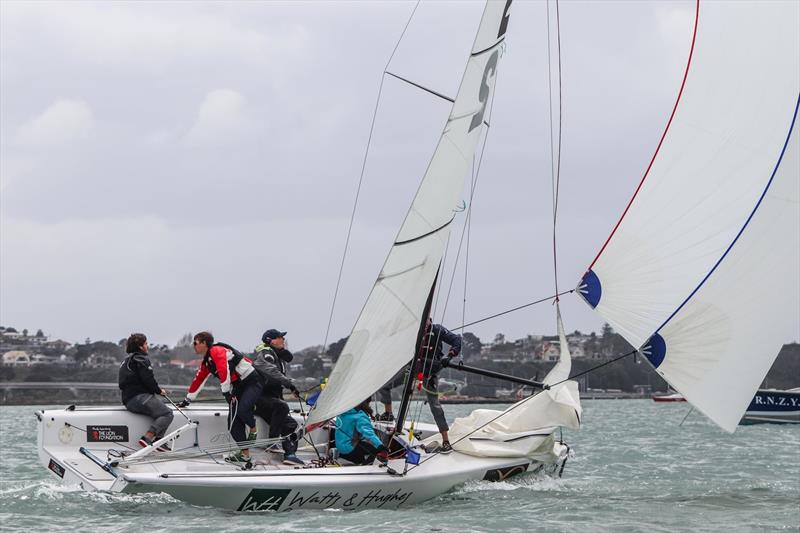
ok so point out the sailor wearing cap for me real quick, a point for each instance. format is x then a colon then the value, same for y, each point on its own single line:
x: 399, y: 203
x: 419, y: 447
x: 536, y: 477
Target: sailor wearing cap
x: 270, y: 362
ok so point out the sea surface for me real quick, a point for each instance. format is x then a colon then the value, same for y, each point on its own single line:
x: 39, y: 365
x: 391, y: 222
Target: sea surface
x: 636, y: 468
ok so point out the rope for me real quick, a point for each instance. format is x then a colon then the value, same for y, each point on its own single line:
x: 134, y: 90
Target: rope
x: 555, y: 160
x: 361, y: 178
x: 623, y: 356
x: 514, y: 309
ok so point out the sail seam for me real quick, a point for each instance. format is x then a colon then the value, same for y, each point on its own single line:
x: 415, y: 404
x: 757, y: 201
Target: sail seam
x: 746, y: 222
x: 408, y: 241
x: 660, y: 142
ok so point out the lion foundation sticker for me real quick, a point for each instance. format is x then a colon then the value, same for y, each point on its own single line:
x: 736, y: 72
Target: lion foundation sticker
x: 107, y: 433
x: 56, y: 468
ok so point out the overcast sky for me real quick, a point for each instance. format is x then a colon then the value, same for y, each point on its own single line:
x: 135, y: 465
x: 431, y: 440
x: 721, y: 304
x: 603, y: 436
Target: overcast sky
x: 174, y: 167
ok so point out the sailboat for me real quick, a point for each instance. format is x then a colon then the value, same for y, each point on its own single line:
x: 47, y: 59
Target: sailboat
x: 702, y: 265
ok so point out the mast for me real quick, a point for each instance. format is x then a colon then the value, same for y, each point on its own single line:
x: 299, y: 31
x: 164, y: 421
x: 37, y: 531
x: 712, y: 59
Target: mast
x: 408, y: 388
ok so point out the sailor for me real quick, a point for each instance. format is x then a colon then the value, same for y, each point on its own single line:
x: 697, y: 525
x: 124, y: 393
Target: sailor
x: 429, y: 361
x: 356, y: 439
x: 239, y: 382
x: 270, y: 362
x: 139, y: 389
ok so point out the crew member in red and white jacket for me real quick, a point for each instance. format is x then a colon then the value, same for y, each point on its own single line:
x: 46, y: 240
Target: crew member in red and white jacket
x: 240, y: 383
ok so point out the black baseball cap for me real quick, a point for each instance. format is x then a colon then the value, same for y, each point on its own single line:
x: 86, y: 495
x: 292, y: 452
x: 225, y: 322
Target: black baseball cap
x: 272, y: 334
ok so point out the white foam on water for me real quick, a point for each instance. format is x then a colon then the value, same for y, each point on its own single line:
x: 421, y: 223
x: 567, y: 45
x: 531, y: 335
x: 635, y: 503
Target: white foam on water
x: 534, y: 483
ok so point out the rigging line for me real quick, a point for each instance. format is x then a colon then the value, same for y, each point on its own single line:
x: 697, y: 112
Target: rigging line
x: 550, y: 114
x: 660, y: 142
x: 468, y: 224
x: 555, y: 148
x: 623, y: 356
x: 361, y: 177
x: 562, y: 293
x: 558, y: 153
x: 417, y: 85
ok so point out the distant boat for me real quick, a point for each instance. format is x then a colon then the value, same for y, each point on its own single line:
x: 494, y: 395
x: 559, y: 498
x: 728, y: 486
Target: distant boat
x: 774, y: 406
x: 674, y: 397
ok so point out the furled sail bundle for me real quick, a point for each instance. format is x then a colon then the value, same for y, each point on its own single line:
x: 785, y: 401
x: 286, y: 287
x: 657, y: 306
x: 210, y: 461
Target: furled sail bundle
x: 701, y: 271
x: 526, y: 428
x: 384, y: 336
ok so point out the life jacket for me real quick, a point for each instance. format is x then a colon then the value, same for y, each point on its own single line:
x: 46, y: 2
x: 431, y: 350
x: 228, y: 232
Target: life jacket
x: 209, y: 363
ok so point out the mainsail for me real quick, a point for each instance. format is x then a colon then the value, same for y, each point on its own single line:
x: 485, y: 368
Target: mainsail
x: 383, y: 337
x: 701, y: 272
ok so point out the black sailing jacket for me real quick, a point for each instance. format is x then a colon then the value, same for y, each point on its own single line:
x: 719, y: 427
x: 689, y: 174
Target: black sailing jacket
x: 136, y: 376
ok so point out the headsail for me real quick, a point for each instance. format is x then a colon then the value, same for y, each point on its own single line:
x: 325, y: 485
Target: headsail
x: 383, y: 338
x: 511, y: 433
x: 702, y: 270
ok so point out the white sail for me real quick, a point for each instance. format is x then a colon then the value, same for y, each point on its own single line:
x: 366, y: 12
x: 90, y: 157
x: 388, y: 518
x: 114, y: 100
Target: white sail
x: 702, y: 270
x: 385, y: 333
x: 519, y: 431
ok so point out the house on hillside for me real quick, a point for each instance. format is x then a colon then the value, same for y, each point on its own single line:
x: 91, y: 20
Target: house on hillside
x: 16, y: 358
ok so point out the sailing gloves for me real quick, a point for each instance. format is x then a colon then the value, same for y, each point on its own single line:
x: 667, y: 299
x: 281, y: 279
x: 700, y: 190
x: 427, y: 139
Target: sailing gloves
x: 447, y: 358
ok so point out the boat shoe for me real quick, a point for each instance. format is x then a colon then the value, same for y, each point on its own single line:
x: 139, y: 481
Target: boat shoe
x: 237, y: 457
x: 292, y: 459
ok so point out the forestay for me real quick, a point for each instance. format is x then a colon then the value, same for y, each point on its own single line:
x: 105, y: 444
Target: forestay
x: 702, y: 270
x: 524, y: 429
x: 383, y: 338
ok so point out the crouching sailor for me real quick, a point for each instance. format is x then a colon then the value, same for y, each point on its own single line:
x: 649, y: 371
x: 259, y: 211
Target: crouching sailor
x: 356, y: 439
x: 139, y: 389
x: 270, y: 362
x: 239, y: 382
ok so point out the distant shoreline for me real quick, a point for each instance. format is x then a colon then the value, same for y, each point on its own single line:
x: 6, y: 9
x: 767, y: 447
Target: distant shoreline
x: 88, y: 393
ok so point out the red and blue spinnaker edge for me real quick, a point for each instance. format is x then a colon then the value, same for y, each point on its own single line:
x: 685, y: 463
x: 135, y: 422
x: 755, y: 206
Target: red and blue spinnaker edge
x: 590, y: 288
x: 655, y: 349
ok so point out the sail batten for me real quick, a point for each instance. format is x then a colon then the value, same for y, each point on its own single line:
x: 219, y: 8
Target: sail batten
x: 384, y: 336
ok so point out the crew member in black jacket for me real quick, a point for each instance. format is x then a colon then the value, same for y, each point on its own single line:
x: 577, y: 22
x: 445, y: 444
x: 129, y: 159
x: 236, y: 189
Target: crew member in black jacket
x: 270, y: 362
x: 139, y: 390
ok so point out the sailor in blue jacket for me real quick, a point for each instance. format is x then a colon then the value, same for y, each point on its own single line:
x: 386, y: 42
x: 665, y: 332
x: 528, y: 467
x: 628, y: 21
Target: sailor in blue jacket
x: 356, y: 439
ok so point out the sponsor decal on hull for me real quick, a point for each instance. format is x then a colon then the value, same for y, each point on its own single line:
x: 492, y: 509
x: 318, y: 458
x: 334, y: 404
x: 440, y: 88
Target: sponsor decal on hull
x: 56, y: 468
x: 264, y: 500
x: 107, y: 433
x: 278, y: 499
x: 765, y: 401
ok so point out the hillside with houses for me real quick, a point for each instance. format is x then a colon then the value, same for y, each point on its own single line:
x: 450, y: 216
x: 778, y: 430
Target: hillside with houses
x: 35, y: 358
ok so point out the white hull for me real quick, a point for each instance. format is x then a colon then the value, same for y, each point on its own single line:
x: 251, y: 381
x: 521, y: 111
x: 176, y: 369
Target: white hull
x: 270, y: 485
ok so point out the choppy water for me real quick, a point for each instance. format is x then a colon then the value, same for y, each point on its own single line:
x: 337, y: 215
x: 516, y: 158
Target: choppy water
x: 634, y: 469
